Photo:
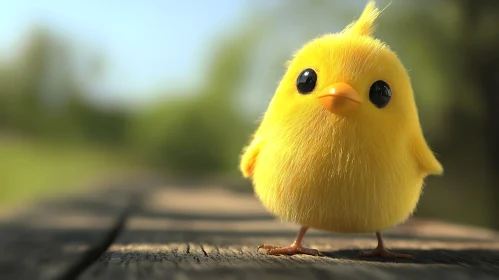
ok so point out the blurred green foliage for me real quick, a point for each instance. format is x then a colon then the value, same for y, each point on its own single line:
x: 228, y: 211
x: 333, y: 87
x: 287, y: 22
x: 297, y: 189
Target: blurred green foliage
x: 32, y: 170
x: 51, y: 137
x: 449, y: 47
x: 202, y: 133
x: 42, y: 96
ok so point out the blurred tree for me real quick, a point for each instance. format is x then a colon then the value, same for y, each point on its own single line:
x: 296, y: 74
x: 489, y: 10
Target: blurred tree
x: 479, y: 43
x: 204, y: 133
x: 42, y: 94
x: 23, y: 83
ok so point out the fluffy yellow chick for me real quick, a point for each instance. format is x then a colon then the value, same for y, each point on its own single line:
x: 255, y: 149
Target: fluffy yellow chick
x: 340, y: 147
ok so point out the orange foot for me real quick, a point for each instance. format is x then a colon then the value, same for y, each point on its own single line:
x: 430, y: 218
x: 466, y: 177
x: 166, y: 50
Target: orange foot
x: 380, y: 251
x: 288, y: 250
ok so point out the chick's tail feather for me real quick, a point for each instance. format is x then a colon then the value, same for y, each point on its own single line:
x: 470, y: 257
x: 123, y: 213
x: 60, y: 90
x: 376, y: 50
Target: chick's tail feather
x: 425, y: 158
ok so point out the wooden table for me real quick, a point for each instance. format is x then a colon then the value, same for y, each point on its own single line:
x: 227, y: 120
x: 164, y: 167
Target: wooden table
x: 171, y: 230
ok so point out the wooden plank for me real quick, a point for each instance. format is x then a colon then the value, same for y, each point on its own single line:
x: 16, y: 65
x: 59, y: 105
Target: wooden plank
x: 58, y: 239
x: 212, y: 233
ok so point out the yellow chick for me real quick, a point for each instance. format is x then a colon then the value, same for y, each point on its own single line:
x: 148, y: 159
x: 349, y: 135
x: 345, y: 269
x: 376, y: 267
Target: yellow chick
x: 340, y: 147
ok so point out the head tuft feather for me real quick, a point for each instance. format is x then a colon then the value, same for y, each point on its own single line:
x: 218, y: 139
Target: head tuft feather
x: 364, y: 25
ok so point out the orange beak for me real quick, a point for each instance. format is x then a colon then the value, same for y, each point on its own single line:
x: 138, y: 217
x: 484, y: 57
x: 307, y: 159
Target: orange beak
x: 340, y: 99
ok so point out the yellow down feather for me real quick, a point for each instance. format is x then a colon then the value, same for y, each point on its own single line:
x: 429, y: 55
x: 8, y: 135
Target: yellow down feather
x: 361, y: 173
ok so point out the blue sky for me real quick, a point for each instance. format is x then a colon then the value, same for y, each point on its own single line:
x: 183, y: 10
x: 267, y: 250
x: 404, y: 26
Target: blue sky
x: 146, y: 43
x: 151, y: 47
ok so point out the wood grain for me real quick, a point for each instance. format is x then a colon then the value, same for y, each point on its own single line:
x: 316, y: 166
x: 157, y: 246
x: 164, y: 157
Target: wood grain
x: 213, y: 233
x: 57, y: 239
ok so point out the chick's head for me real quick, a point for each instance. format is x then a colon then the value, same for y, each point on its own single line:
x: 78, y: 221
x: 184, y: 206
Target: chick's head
x: 349, y: 79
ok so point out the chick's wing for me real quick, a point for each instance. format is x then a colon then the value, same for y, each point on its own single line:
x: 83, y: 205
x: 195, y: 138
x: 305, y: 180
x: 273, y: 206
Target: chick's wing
x: 250, y: 156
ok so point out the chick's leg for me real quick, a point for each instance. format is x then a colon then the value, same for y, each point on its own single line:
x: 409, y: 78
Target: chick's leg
x: 382, y: 252
x: 295, y: 248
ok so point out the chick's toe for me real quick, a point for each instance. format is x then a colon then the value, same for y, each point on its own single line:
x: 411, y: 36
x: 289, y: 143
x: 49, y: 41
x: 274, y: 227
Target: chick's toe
x: 288, y: 250
x: 382, y: 252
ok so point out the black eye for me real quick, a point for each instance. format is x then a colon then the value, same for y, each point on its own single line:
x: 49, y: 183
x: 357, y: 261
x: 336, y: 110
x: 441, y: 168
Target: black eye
x: 305, y: 83
x: 380, y: 94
